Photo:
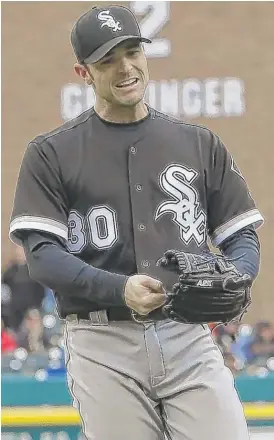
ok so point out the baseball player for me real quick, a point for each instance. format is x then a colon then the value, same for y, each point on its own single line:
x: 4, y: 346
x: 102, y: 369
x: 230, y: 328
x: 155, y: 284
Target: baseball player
x: 98, y: 201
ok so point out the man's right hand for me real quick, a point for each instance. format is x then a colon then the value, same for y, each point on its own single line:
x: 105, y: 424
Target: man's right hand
x: 144, y: 294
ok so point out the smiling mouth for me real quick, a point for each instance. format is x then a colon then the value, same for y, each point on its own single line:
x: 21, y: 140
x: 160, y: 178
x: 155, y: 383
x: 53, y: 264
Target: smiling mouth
x: 127, y: 83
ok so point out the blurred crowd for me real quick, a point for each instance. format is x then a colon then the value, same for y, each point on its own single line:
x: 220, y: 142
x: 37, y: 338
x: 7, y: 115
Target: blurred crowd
x: 247, y: 348
x: 32, y: 334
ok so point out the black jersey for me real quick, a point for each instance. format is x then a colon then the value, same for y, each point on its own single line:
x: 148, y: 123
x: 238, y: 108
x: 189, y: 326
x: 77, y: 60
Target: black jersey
x: 122, y: 194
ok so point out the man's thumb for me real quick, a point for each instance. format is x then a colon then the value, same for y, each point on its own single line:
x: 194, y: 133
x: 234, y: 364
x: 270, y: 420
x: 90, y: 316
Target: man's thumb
x: 155, y: 285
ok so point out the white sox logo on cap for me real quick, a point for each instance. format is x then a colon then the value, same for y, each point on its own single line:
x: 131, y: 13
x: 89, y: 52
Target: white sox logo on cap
x: 109, y: 21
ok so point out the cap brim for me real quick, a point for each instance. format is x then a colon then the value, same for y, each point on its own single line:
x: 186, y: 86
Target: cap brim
x: 105, y: 48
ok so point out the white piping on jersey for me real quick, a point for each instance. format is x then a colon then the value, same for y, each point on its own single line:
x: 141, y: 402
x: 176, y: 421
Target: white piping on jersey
x: 236, y: 224
x: 38, y: 224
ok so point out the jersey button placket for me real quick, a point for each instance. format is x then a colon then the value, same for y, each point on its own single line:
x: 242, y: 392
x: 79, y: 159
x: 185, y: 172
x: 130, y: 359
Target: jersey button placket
x: 137, y: 194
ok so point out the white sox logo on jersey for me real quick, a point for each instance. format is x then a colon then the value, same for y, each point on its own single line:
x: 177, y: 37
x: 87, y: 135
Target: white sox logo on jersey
x: 109, y: 21
x: 176, y: 180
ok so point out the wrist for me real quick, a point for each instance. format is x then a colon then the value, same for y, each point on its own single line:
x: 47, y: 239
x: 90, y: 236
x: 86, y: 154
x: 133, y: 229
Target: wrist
x: 109, y: 288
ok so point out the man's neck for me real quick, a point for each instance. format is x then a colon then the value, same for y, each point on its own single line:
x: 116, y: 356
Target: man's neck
x: 121, y: 114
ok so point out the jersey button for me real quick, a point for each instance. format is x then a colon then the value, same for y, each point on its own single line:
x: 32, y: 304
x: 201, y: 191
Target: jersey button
x: 141, y: 227
x: 138, y: 187
x: 145, y: 263
x: 133, y: 150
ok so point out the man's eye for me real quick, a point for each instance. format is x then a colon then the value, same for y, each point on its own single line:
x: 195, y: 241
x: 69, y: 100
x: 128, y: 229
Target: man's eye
x: 134, y: 51
x: 106, y: 61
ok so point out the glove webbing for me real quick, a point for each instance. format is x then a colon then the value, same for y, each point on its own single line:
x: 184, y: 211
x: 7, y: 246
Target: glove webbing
x: 202, y: 263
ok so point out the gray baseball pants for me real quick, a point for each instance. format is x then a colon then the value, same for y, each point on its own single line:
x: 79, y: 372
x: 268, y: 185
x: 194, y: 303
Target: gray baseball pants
x: 133, y: 381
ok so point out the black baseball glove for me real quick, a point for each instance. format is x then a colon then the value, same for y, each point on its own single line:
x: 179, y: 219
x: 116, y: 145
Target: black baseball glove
x: 209, y: 289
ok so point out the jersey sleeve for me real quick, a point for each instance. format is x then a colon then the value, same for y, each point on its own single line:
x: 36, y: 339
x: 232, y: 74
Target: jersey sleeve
x: 40, y: 202
x: 230, y: 204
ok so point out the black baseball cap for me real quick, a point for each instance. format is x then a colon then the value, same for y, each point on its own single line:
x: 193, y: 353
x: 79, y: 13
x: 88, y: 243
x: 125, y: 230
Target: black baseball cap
x: 100, y: 29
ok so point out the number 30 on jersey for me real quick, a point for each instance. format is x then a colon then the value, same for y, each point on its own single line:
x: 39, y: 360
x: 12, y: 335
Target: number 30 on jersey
x: 98, y: 228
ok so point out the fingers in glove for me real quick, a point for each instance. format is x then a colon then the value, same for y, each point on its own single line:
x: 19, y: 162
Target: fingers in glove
x: 163, y: 261
x: 170, y: 264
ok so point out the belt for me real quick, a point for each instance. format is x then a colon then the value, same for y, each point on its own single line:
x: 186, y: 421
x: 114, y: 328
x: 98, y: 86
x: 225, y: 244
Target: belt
x: 121, y: 314
x: 117, y: 314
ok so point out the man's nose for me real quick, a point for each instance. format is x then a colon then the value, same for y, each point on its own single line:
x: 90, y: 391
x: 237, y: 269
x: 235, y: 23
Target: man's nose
x: 124, y: 65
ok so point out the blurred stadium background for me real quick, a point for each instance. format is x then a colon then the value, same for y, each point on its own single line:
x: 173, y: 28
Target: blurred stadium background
x: 211, y: 63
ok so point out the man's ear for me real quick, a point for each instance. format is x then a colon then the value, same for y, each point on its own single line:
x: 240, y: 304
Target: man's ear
x: 83, y: 72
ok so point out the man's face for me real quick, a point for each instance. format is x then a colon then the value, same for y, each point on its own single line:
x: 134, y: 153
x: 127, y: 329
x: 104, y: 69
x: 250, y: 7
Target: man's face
x: 121, y: 77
